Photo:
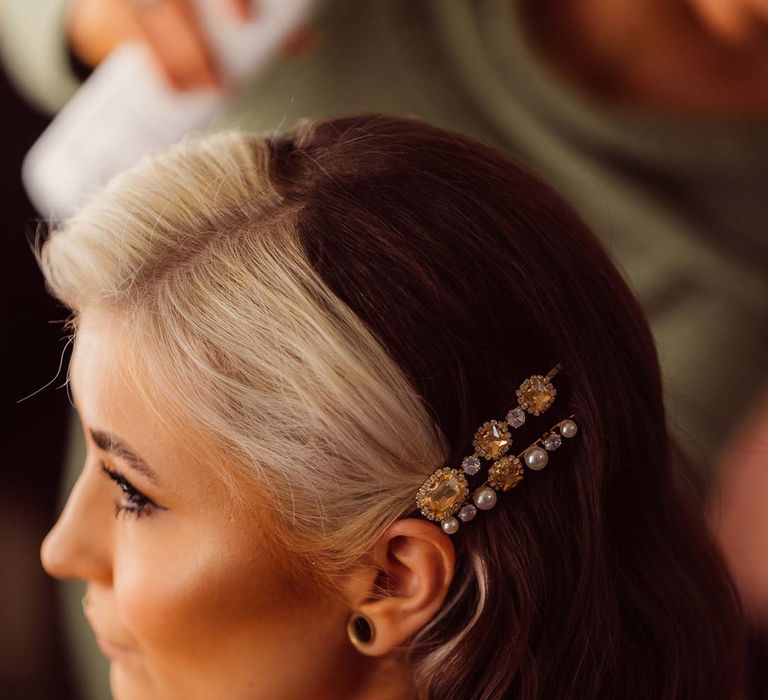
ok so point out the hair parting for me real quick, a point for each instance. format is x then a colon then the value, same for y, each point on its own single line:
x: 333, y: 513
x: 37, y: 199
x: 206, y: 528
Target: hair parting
x: 337, y: 309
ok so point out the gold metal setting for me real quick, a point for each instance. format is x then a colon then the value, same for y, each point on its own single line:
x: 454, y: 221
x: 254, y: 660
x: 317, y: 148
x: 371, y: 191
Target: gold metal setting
x: 536, y: 394
x: 492, y: 439
x: 505, y: 473
x: 446, y: 491
x: 442, y: 494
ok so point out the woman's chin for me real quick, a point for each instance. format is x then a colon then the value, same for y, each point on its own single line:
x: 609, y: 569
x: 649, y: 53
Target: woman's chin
x: 128, y: 679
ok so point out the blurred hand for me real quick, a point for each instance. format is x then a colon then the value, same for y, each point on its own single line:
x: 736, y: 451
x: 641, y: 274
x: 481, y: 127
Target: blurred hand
x: 169, y: 28
x: 736, y: 21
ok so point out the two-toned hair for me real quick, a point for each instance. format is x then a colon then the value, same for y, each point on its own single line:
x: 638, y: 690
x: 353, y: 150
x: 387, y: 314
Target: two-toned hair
x: 337, y: 309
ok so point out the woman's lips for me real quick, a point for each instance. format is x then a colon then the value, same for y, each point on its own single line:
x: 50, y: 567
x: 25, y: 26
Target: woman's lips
x: 108, y: 647
x: 112, y: 650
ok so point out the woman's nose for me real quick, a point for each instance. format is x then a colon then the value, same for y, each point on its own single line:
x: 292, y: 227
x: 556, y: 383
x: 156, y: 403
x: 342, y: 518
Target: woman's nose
x: 77, y: 546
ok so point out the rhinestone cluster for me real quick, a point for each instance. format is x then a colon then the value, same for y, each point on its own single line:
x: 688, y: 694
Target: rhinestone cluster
x: 444, y: 495
x: 505, y: 473
x: 536, y: 394
x: 492, y: 439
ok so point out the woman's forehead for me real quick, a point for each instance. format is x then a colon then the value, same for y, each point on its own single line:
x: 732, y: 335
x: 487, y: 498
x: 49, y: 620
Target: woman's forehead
x: 114, y: 393
x: 105, y: 387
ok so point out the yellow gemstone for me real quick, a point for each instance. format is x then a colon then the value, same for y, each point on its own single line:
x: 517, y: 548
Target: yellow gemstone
x: 443, y: 496
x: 505, y: 473
x: 536, y: 395
x: 492, y: 439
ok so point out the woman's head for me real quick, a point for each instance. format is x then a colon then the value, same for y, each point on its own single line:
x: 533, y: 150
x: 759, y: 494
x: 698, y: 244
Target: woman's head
x: 293, y: 333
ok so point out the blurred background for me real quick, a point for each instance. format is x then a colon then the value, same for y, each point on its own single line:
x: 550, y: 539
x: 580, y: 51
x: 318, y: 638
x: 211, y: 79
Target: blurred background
x: 649, y: 116
x: 33, y: 658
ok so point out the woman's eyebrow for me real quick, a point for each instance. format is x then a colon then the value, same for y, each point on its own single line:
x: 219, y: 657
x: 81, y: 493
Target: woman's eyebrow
x: 110, y: 443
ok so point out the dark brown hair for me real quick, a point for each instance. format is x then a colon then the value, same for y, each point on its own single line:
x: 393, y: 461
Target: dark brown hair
x: 600, y: 579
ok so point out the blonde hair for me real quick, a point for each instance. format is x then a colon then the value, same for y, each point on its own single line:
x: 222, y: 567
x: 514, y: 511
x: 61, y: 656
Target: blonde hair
x: 197, y: 251
x: 332, y: 313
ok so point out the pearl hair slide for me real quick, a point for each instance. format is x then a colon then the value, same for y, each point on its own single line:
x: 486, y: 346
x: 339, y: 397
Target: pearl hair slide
x: 446, y: 491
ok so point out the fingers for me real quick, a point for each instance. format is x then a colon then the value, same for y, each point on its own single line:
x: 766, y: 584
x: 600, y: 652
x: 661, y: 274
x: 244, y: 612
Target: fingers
x: 96, y: 27
x: 169, y: 28
x: 243, y: 9
x: 735, y: 21
x: 172, y: 31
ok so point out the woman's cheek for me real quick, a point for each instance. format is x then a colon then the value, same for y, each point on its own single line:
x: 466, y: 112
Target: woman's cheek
x: 181, y: 590
x: 156, y: 583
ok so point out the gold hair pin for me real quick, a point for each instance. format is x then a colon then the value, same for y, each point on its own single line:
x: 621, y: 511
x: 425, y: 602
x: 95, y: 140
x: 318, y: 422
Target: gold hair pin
x: 446, y: 491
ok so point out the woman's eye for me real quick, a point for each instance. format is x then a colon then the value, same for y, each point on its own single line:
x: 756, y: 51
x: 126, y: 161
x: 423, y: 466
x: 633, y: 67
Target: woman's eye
x: 131, y: 502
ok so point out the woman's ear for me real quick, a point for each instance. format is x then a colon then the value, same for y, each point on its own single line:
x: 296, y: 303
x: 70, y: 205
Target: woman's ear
x: 405, y: 583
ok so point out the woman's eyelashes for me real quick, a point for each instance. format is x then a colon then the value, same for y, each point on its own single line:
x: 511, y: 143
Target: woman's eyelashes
x: 132, y: 502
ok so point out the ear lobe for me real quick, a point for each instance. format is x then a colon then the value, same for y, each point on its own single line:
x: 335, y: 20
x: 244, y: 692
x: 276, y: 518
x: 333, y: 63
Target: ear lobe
x: 413, y: 565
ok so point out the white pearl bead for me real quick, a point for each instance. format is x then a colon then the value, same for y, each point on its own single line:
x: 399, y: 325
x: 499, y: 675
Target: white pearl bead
x: 450, y: 525
x: 484, y: 498
x: 536, y: 458
x: 568, y: 428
